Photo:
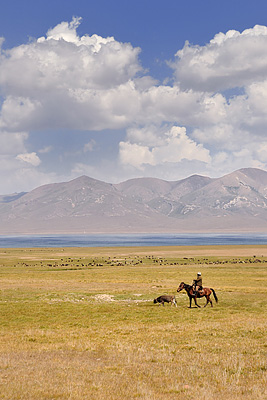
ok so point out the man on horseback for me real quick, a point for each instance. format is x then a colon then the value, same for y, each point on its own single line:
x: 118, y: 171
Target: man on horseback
x: 201, y: 292
x: 197, y: 284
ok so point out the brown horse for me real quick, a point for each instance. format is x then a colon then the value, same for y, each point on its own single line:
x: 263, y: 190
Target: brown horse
x: 201, y: 293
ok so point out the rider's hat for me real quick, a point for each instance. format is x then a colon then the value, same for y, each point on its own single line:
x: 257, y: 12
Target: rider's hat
x: 199, y: 273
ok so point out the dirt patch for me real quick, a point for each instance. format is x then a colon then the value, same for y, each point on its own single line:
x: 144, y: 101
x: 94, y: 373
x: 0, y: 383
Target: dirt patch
x: 104, y: 298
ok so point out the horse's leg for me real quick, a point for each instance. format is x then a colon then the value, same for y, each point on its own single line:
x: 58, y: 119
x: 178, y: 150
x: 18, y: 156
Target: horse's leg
x: 208, y: 301
x: 196, y: 302
x: 190, y: 301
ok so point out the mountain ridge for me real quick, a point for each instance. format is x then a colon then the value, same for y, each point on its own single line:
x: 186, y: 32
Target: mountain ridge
x: 233, y: 202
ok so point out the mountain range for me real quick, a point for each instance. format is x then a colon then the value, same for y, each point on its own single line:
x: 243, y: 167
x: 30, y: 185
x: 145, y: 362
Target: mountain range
x: 236, y: 202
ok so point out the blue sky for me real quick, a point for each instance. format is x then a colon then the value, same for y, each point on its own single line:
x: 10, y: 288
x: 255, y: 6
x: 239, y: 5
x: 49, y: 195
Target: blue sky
x: 116, y: 90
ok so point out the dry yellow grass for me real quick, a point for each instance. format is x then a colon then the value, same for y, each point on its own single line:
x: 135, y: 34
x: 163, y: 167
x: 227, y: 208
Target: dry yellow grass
x: 80, y: 324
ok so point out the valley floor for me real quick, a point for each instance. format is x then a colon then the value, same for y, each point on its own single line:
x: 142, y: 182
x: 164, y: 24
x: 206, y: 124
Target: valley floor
x: 80, y: 323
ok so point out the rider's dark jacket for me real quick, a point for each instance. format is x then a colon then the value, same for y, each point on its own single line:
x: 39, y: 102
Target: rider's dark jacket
x: 198, y: 282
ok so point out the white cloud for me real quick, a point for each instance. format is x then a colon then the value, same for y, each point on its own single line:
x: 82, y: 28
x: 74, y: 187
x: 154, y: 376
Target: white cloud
x: 64, y: 61
x: 166, y: 103
x: 30, y: 158
x: 222, y: 136
x: 229, y: 60
x: 178, y: 146
x: 89, y: 146
x: 17, y: 175
x: 79, y: 82
x: 135, y: 154
x: 64, y: 82
x: 65, y: 31
x: 19, y: 113
x: 172, y: 147
x: 88, y: 82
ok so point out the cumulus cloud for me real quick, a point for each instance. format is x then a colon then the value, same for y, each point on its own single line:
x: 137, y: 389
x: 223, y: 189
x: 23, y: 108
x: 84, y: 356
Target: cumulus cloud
x: 19, y: 113
x: 67, y: 80
x: 172, y: 147
x: 63, y: 60
x: 64, y: 82
x: 30, y: 158
x: 229, y: 60
x: 88, y: 82
x: 18, y: 175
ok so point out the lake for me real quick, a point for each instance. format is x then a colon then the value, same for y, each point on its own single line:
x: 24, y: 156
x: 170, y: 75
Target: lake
x: 116, y: 240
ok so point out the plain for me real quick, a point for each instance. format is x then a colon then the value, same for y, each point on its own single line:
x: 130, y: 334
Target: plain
x: 80, y: 323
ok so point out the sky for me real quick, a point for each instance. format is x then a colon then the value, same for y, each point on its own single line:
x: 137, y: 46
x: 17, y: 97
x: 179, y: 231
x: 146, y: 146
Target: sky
x: 126, y: 89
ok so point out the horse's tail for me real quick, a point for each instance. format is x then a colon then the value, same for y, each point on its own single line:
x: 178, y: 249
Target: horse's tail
x: 214, y: 294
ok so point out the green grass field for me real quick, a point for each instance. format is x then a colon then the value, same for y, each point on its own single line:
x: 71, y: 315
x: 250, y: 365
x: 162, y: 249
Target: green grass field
x: 81, y: 324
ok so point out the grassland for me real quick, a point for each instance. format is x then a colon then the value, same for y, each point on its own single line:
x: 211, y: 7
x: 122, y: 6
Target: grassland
x: 81, y: 324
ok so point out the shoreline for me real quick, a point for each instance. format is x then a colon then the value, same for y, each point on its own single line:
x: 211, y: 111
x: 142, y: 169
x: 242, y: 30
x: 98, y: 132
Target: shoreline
x: 233, y: 251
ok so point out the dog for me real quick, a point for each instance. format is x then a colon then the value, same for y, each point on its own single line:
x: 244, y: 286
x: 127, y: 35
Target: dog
x: 165, y: 299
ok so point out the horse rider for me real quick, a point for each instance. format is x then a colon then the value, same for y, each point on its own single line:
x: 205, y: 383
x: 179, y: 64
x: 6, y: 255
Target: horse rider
x: 197, y: 284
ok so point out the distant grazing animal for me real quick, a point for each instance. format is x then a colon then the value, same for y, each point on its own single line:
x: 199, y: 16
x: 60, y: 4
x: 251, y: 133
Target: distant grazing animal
x: 201, y: 293
x: 165, y: 299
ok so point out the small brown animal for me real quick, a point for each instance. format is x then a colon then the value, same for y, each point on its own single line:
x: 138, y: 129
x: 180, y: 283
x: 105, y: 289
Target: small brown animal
x: 165, y: 299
